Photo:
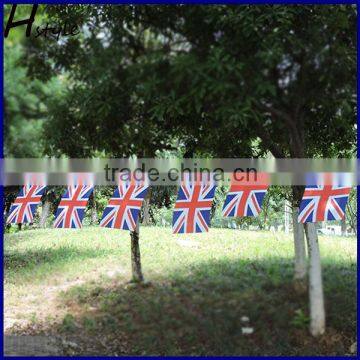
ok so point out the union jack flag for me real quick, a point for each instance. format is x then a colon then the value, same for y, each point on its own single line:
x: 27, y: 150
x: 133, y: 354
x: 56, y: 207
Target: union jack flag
x: 24, y: 207
x: 324, y: 202
x: 245, y: 197
x: 193, y: 205
x: 71, y: 210
x: 122, y: 211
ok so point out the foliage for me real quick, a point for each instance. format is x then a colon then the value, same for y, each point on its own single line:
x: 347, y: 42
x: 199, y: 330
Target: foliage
x: 25, y: 99
x: 162, y: 216
x: 300, y: 319
x: 102, y: 196
x: 24, y: 111
x: 143, y: 76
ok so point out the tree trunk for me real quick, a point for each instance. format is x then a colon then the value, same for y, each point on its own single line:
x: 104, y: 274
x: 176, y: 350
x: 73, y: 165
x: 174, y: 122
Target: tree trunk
x: 5, y: 224
x: 287, y: 210
x: 10, y: 193
x: 300, y: 252
x: 343, y: 227
x: 146, y: 209
x: 352, y: 218
x: 137, y: 275
x: 351, y: 211
x: 265, y: 213
x: 93, y: 215
x: 316, y: 295
x: 19, y: 226
x: 45, y: 211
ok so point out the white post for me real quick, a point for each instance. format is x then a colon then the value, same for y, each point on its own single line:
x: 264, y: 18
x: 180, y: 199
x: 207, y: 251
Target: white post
x: 300, y: 250
x: 316, y: 295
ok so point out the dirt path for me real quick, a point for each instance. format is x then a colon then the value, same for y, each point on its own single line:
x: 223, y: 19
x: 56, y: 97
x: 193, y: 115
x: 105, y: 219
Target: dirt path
x: 28, y: 328
x: 42, y: 302
x: 26, y: 345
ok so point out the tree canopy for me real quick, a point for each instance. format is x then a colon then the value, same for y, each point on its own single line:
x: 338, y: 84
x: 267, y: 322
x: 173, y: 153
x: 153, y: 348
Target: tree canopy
x: 225, y: 81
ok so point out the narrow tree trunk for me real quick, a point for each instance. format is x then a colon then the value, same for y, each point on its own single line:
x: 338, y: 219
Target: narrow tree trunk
x: 137, y: 275
x: 300, y: 252
x: 19, y: 226
x: 265, y: 213
x: 45, y: 211
x: 316, y: 295
x: 5, y: 225
x: 352, y: 218
x: 9, y: 197
x: 343, y: 227
x: 146, y: 209
x: 287, y: 209
x: 93, y: 215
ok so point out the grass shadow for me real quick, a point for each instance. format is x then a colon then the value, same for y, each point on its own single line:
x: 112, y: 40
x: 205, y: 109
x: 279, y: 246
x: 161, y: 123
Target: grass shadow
x: 204, y: 310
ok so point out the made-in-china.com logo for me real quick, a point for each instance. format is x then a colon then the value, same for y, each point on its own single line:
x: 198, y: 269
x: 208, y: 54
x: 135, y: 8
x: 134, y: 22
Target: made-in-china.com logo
x: 50, y: 31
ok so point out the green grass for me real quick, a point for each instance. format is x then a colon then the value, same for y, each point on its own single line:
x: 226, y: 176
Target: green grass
x: 75, y: 283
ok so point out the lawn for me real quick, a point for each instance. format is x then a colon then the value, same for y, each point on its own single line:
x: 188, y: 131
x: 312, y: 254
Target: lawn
x: 204, y: 294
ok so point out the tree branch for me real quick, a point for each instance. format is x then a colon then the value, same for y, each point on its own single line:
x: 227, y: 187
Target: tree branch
x: 297, y: 143
x: 265, y: 138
